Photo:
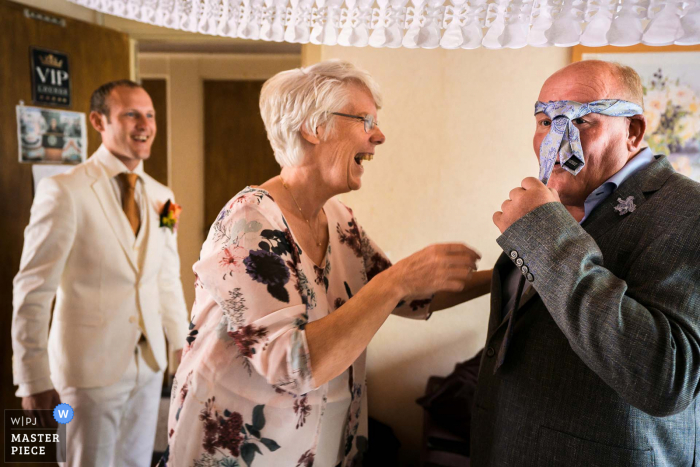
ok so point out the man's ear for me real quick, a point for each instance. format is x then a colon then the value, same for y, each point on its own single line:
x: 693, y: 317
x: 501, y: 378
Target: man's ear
x: 97, y: 122
x: 313, y: 138
x: 635, y: 133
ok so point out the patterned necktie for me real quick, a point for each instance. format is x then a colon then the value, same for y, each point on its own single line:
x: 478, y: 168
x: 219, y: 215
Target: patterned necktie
x: 563, y: 138
x: 131, y: 209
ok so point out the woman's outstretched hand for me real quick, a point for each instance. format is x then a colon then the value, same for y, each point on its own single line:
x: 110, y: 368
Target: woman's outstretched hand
x: 444, y: 267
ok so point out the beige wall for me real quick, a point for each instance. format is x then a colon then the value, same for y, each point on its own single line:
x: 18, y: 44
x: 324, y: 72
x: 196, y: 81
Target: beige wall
x: 185, y: 74
x: 459, y: 137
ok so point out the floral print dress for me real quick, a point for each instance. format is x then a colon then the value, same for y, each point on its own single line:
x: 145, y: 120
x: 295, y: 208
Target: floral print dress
x: 244, y: 393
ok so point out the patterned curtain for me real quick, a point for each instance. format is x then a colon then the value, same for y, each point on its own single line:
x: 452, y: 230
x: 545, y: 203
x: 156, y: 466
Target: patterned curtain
x: 450, y: 24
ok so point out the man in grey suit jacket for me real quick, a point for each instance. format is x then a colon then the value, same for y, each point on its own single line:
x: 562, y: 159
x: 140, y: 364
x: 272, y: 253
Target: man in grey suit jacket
x: 594, y: 358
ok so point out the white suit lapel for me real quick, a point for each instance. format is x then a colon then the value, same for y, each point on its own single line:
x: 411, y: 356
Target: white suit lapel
x: 153, y: 229
x: 114, y: 213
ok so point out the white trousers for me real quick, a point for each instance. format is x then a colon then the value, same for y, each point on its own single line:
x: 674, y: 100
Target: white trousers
x: 115, y: 426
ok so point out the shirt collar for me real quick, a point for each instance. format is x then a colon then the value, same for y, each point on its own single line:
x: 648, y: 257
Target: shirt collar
x: 641, y: 160
x: 114, y: 166
x: 638, y: 162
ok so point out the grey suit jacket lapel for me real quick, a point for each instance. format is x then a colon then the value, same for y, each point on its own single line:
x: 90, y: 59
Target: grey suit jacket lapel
x: 503, y: 267
x: 640, y: 185
x: 527, y: 295
x: 497, y: 277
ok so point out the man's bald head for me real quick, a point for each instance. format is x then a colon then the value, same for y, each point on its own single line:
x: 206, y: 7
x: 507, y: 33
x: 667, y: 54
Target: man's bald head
x: 607, y: 142
x: 592, y: 80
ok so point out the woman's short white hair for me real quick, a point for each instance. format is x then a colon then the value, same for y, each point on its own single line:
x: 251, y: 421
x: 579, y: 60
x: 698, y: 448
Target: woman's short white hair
x: 307, y: 96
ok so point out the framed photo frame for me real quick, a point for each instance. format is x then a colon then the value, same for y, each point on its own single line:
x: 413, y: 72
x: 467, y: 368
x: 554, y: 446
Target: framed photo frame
x: 50, y: 136
x: 671, y: 80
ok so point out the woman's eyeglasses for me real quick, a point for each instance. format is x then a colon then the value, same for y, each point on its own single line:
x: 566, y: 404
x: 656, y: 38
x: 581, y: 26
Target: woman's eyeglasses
x: 368, y: 120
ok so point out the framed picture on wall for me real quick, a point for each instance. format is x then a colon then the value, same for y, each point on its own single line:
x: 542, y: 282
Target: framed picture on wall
x: 671, y: 79
x: 51, y: 136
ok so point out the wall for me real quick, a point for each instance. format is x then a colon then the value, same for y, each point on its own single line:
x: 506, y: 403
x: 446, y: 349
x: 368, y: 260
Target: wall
x: 185, y: 74
x: 459, y: 130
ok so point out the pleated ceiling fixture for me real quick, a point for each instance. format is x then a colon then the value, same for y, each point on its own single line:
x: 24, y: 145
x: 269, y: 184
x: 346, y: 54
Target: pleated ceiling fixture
x: 450, y: 24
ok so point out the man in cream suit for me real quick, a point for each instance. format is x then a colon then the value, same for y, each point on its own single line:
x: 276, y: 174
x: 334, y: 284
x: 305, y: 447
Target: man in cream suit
x: 95, y: 243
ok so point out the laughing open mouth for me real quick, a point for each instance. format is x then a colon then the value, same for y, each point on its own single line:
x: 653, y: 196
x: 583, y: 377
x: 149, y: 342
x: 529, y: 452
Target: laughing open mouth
x: 140, y: 138
x: 363, y: 157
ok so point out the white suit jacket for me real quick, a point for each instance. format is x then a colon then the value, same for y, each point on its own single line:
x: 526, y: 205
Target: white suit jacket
x: 79, y: 247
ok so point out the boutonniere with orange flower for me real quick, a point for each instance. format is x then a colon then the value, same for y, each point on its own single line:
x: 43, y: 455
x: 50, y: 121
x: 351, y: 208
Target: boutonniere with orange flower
x: 170, y: 215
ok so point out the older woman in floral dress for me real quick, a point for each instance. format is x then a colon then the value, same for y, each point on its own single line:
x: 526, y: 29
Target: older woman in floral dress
x: 290, y: 290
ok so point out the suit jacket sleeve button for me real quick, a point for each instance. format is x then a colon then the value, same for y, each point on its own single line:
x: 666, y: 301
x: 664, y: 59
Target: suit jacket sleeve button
x: 513, y: 254
x: 519, y: 262
x: 530, y: 277
x: 490, y: 352
x: 525, y: 270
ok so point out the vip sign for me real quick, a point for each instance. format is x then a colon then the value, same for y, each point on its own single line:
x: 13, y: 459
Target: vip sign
x: 50, y: 77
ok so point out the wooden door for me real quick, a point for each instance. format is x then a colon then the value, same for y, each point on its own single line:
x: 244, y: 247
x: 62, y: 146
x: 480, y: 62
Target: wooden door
x: 157, y: 165
x: 236, y: 150
x: 96, y: 55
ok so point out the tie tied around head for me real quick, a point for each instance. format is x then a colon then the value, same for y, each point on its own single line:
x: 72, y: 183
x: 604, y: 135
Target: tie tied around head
x: 563, y: 138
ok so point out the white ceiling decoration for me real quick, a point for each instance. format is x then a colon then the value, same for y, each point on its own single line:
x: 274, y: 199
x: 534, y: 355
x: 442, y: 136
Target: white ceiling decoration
x: 450, y: 24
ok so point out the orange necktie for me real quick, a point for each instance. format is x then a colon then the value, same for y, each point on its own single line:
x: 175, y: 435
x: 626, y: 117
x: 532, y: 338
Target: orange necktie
x: 131, y: 209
